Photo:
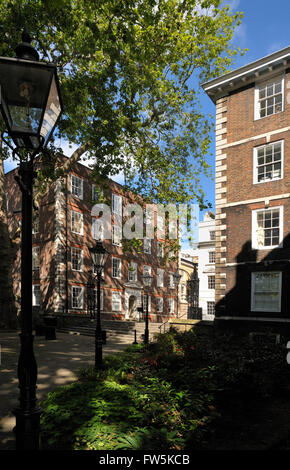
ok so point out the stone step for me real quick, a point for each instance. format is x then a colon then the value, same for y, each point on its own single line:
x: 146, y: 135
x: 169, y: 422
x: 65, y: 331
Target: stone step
x: 112, y: 333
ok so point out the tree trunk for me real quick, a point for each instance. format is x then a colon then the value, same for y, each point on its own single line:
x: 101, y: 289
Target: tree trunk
x: 8, y: 310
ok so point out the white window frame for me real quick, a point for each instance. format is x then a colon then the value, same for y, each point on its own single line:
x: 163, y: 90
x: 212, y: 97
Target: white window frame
x: 171, y: 281
x: 209, y: 282
x: 82, y: 219
x: 255, y: 212
x: 77, y: 178
x: 147, y: 269
x: 147, y: 246
x: 132, y: 274
x: 171, y: 305
x: 160, y: 249
x: 96, y: 194
x: 117, y: 204
x: 97, y: 229
x: 35, y: 224
x: 255, y: 162
x: 262, y: 84
x: 253, y: 274
x: 159, y: 304
x: 212, y: 237
x: 114, y: 301
x: 35, y: 299
x: 81, y: 258
x: 73, y: 288
x: 159, y: 272
x: 35, y: 249
x: 117, y: 270
x: 116, y: 235
x: 211, y: 253
x: 145, y: 303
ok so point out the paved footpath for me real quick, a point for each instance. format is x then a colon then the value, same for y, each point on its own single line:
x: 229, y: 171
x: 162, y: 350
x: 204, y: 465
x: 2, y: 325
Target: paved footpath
x: 57, y: 362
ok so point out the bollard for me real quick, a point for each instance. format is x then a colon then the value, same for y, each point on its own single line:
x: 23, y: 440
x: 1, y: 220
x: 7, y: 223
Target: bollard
x: 135, y: 337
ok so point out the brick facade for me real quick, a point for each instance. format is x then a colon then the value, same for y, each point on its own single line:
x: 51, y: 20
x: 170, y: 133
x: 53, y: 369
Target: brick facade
x: 239, y: 133
x: 55, y: 240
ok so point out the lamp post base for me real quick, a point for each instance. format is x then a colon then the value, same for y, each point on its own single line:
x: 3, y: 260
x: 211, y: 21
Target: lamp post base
x: 27, y: 429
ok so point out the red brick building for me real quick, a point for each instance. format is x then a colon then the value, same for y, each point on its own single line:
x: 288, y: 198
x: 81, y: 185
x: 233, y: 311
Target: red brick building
x: 252, y: 192
x: 64, y: 230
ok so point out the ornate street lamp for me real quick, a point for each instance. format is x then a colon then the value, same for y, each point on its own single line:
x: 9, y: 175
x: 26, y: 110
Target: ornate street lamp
x: 176, y: 280
x: 147, y: 281
x: 99, y: 257
x: 31, y: 105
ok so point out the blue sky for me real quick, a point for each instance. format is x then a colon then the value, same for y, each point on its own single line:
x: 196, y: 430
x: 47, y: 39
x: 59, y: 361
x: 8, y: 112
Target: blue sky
x: 264, y: 29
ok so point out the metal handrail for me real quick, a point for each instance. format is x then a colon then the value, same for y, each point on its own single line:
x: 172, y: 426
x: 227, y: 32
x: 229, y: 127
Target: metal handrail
x: 163, y: 324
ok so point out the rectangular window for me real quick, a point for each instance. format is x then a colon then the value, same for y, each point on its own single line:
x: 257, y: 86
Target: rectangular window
x: 160, y: 249
x: 267, y: 228
x: 212, y: 235
x: 116, y: 235
x: 159, y: 304
x: 147, y: 245
x: 76, y: 186
x: 117, y: 204
x: 116, y: 301
x: 77, y: 222
x: 210, y: 308
x: 211, y: 256
x: 160, y: 277
x: 211, y: 282
x: 97, y: 229
x: 35, y: 224
x: 102, y: 298
x: 76, y: 259
x: 36, y: 295
x: 268, y: 162
x: 170, y: 281
x: 170, y: 305
x: 269, y: 98
x: 116, y: 268
x: 145, y: 303
x: 35, y: 257
x: 132, y: 272
x: 146, y: 270
x: 96, y: 193
x: 266, y: 292
x: 77, y: 294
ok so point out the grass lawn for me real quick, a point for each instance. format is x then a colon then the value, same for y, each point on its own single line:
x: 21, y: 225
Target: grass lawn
x: 185, y: 391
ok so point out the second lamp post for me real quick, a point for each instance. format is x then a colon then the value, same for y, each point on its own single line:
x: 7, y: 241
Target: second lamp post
x: 99, y: 256
x: 147, y: 281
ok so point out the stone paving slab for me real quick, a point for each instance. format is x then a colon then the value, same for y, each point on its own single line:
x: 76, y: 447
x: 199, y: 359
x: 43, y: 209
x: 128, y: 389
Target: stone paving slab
x: 57, y: 362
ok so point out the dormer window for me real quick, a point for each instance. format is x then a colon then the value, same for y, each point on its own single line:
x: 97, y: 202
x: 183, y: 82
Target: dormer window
x: 269, y: 98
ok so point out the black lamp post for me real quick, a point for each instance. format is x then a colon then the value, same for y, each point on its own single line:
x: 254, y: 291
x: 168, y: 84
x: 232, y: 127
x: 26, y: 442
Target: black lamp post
x: 99, y: 256
x: 147, y: 281
x: 31, y: 106
x: 176, y: 280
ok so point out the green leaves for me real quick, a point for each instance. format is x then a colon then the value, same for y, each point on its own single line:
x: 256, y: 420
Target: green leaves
x: 130, y: 76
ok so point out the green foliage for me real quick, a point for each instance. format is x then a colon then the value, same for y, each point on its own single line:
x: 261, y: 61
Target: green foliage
x: 167, y: 395
x: 130, y: 75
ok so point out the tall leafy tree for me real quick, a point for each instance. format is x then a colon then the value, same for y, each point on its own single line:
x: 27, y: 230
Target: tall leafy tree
x: 130, y: 74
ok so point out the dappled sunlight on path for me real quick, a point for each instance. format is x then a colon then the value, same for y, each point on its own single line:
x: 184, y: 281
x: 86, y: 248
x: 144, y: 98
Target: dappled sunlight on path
x: 57, y: 361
